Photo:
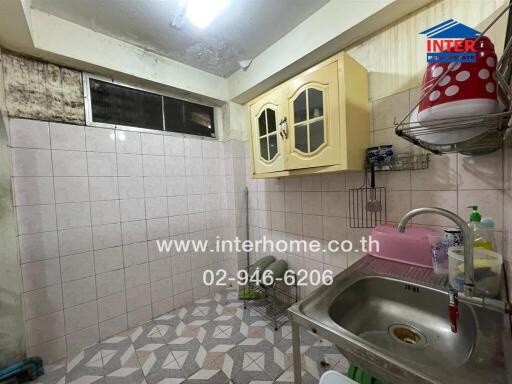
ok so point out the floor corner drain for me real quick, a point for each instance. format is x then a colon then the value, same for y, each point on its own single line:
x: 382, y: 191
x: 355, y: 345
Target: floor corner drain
x: 407, y: 335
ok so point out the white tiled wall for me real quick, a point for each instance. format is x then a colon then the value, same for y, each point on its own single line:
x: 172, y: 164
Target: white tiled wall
x: 315, y: 207
x: 89, y: 203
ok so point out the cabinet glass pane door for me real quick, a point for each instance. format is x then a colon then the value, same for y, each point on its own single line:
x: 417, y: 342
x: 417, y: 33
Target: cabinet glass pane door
x: 299, y: 108
x: 315, y: 103
x: 267, y: 127
x: 308, y: 112
x: 271, y: 120
x: 301, y: 137
x: 316, y: 135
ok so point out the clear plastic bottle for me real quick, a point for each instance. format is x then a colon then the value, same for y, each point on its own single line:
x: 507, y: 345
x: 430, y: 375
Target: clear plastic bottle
x: 481, y: 235
x: 487, y: 225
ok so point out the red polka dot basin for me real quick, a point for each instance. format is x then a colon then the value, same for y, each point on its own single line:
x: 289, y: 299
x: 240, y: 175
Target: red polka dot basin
x: 465, y: 89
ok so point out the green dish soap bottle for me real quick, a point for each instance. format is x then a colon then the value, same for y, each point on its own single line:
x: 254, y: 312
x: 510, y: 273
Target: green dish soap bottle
x: 481, y: 238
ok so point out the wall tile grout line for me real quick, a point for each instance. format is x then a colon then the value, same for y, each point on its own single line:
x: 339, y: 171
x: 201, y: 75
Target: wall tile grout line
x: 58, y: 245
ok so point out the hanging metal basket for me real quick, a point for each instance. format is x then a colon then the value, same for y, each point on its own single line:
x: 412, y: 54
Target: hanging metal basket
x: 490, y: 128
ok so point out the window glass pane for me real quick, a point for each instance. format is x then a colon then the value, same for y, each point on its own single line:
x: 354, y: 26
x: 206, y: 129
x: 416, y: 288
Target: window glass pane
x: 316, y: 103
x: 299, y: 108
x: 115, y: 104
x: 271, y: 120
x: 316, y: 134
x: 272, y: 146
x: 199, y: 119
x: 262, y: 124
x: 174, y: 111
x: 263, y: 148
x: 301, y: 138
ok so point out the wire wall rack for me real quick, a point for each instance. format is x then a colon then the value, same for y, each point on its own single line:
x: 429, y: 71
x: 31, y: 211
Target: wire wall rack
x: 403, y: 162
x: 471, y: 135
x: 360, y: 214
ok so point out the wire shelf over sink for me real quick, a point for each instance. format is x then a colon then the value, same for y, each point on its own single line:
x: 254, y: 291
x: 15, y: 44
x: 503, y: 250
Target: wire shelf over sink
x: 469, y: 135
x: 489, y: 131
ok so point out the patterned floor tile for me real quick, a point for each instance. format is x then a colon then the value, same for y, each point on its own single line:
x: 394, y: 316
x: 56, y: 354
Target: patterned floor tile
x: 214, y: 340
x: 283, y: 354
x: 243, y: 366
x: 222, y: 332
x: 269, y: 359
x: 120, y: 362
x: 202, y: 310
x: 192, y: 356
x: 169, y: 372
x: 126, y: 376
x: 208, y: 376
x: 167, y: 324
x: 229, y: 309
x: 86, y: 367
x: 250, y: 316
x: 156, y: 357
x: 148, y: 333
x: 264, y: 329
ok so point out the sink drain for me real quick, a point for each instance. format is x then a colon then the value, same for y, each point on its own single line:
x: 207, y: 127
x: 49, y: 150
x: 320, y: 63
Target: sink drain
x: 407, y: 334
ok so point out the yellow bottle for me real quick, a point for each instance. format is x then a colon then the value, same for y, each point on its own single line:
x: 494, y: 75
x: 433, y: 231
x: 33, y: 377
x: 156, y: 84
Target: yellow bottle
x: 482, y: 235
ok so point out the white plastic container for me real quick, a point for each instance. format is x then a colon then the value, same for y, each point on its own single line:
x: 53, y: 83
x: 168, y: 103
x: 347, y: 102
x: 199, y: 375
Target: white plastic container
x: 487, y: 265
x: 333, y: 377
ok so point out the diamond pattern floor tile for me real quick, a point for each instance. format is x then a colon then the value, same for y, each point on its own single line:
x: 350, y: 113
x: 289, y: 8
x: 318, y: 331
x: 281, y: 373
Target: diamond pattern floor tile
x: 214, y: 340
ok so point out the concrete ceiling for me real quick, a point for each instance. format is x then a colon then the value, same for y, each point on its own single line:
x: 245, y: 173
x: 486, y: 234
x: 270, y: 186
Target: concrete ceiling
x: 242, y: 31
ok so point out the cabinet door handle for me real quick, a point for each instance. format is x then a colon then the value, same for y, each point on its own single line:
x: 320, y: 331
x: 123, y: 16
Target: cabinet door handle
x: 284, y: 128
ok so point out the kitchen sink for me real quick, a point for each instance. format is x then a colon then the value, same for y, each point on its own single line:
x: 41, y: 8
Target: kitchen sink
x: 392, y: 320
x: 407, y: 321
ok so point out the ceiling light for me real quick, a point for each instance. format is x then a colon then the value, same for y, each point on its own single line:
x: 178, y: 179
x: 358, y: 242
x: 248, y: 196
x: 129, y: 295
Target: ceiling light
x: 202, y: 12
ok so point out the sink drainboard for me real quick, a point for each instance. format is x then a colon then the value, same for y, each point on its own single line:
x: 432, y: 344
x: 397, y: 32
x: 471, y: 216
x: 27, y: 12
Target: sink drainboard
x: 407, y: 334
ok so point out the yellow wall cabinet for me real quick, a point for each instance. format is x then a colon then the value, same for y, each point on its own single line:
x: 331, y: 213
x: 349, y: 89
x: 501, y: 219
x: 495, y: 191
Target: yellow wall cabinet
x: 316, y: 122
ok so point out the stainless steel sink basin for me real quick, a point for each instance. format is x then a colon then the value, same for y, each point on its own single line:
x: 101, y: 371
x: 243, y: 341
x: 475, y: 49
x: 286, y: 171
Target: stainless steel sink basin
x: 409, y: 322
x: 392, y: 320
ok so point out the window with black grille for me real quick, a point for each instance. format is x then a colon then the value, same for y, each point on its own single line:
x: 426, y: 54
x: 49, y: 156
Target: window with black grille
x: 115, y: 104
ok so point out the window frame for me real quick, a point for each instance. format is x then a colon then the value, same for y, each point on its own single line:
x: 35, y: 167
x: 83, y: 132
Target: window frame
x: 91, y: 123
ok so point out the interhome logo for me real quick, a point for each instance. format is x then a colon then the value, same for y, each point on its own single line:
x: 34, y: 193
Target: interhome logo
x: 451, y: 42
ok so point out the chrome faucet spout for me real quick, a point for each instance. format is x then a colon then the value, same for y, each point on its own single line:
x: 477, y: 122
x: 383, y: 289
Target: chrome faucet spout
x: 469, y: 274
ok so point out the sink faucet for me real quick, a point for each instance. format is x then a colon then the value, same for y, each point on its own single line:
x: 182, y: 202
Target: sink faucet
x: 469, y: 273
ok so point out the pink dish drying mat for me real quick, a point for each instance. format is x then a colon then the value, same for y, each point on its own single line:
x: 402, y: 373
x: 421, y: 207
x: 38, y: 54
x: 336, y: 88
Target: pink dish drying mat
x: 411, y: 247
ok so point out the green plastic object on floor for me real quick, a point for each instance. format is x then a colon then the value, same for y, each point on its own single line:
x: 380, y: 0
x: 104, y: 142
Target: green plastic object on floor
x: 262, y: 264
x: 248, y: 294
x: 362, y: 377
x: 277, y: 269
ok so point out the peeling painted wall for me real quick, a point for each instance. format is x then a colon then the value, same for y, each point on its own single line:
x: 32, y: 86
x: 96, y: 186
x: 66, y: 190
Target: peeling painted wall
x: 42, y: 91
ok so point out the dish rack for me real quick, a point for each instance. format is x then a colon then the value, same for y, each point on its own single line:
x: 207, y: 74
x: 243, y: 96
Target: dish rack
x: 273, y: 301
x: 491, y: 128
